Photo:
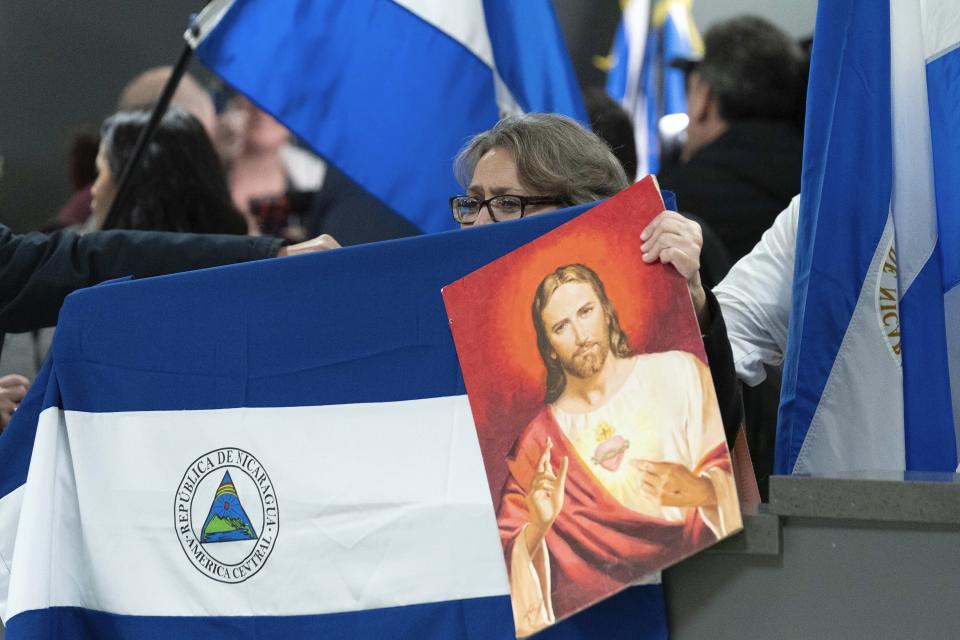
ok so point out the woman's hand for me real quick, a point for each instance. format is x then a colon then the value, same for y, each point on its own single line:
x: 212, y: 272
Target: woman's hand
x: 673, y: 239
x: 320, y: 243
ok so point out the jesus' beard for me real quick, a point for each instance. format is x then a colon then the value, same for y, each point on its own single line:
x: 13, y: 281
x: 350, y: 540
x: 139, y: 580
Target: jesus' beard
x: 587, y: 361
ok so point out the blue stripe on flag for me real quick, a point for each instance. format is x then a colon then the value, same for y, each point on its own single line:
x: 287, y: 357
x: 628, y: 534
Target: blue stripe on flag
x: 675, y: 45
x: 648, y: 85
x: 846, y: 184
x: 929, y: 435
x: 637, y: 613
x: 617, y: 76
x: 514, y: 27
x: 477, y: 618
x: 943, y: 92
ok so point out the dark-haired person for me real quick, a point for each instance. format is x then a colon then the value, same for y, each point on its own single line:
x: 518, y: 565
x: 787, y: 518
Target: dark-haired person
x: 141, y: 92
x: 640, y: 458
x: 179, y: 183
x: 537, y: 162
x: 741, y: 162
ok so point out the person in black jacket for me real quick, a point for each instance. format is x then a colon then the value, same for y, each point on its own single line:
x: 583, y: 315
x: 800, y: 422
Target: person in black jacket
x: 741, y: 162
x: 37, y: 271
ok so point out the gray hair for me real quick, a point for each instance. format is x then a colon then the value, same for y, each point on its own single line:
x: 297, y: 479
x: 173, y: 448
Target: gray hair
x: 555, y: 156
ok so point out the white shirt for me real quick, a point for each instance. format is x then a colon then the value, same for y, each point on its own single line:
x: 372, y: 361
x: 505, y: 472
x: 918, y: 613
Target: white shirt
x: 756, y: 296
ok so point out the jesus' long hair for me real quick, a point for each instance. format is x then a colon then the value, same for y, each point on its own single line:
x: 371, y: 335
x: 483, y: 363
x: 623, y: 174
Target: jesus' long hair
x: 619, y: 343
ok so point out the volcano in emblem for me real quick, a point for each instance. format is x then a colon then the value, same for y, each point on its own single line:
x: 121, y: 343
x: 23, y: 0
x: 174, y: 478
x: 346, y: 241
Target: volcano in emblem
x: 227, y: 521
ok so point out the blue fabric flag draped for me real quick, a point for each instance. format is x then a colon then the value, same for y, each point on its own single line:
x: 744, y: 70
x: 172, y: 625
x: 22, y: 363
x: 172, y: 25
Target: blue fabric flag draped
x: 320, y: 396
x: 875, y: 323
x: 389, y: 90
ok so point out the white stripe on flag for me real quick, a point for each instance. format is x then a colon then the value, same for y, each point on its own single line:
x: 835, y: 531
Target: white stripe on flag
x: 941, y: 27
x: 636, y: 24
x: 912, y: 199
x: 9, y: 514
x: 466, y: 22
x: 841, y: 437
x: 636, y: 21
x: 380, y: 505
x: 37, y: 520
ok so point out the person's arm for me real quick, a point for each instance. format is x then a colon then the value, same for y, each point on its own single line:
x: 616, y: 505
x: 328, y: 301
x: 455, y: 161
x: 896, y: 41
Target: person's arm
x: 37, y: 271
x: 755, y: 298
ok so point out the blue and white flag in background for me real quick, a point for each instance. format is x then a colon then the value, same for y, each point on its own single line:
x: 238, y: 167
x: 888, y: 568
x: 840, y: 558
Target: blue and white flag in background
x: 874, y: 338
x: 642, y: 79
x: 279, y: 449
x: 389, y: 90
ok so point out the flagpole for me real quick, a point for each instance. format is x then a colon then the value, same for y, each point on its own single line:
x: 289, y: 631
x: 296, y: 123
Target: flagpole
x: 160, y: 108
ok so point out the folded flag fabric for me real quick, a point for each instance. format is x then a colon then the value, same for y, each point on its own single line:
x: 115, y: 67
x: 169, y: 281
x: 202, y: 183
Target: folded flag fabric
x: 389, y: 90
x: 274, y: 449
x: 874, y: 340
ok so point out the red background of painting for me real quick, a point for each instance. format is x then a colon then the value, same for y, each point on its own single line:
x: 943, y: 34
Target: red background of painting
x: 490, y: 315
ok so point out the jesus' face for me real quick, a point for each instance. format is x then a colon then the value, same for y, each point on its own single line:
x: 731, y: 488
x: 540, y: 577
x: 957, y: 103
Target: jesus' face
x: 577, y: 329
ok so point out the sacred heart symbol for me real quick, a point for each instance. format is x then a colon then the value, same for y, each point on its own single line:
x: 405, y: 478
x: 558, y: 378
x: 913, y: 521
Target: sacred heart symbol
x: 609, y: 453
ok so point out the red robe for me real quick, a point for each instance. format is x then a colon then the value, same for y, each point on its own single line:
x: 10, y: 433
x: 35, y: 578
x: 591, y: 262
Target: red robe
x: 597, y: 546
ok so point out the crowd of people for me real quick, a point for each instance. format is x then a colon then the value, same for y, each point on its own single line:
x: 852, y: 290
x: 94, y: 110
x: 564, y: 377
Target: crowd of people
x: 209, y: 176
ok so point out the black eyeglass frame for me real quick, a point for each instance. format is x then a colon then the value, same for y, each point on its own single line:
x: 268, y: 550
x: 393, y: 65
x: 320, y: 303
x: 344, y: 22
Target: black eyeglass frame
x: 524, y: 202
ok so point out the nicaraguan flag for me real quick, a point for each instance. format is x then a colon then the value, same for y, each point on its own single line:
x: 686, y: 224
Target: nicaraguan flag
x: 874, y: 337
x: 279, y: 449
x: 389, y: 90
x: 642, y: 79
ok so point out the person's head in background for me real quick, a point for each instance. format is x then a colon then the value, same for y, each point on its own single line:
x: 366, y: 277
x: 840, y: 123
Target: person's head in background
x: 140, y: 92
x: 179, y: 184
x: 750, y: 70
x: 145, y: 89
x: 612, y: 123
x: 530, y: 164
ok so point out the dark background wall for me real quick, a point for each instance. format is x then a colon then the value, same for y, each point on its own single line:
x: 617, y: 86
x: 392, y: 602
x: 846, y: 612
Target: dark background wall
x: 63, y: 63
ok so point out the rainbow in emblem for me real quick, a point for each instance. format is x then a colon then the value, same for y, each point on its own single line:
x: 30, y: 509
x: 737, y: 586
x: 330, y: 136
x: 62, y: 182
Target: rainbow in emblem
x: 227, y: 521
